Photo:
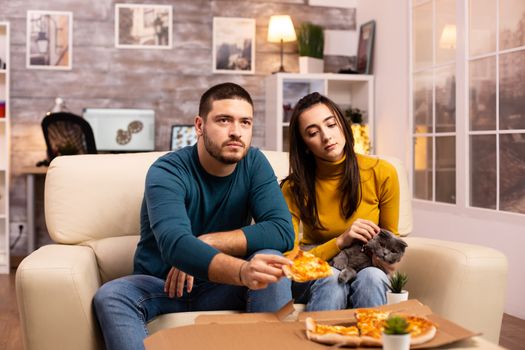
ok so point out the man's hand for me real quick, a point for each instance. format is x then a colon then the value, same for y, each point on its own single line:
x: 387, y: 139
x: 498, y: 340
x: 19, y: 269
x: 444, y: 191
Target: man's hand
x: 387, y: 268
x: 175, y: 282
x: 262, y: 270
x: 361, y: 229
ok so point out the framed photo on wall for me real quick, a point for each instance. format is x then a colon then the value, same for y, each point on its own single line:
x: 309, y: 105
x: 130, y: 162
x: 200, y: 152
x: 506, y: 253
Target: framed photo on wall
x: 365, y: 48
x: 182, y: 135
x: 140, y: 26
x: 49, y: 42
x: 233, y: 45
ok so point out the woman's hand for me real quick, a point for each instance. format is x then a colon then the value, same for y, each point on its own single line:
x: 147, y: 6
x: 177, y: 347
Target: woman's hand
x: 175, y: 282
x: 361, y: 229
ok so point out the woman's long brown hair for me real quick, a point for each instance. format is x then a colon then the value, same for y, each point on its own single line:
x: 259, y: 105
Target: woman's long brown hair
x: 302, y: 165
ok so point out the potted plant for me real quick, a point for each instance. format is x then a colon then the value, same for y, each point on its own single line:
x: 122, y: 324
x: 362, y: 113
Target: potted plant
x: 310, y: 41
x: 396, y: 293
x: 395, y: 333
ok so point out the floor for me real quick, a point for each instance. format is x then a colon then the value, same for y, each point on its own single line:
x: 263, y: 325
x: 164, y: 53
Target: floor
x: 512, y: 330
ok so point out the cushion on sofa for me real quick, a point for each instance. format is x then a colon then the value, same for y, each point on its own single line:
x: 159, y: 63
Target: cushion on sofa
x: 114, y: 255
x: 91, y: 197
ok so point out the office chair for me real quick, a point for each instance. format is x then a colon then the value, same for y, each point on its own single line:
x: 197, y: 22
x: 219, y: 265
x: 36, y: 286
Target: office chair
x: 67, y: 134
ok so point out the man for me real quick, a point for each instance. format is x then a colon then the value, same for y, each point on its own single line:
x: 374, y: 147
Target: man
x: 197, y: 249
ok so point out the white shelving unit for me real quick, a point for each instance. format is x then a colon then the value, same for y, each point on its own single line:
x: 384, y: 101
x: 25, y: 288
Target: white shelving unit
x: 4, y: 147
x: 283, y: 90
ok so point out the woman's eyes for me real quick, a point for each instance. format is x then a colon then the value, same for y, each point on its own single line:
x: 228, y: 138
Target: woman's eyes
x: 312, y: 134
x: 332, y: 125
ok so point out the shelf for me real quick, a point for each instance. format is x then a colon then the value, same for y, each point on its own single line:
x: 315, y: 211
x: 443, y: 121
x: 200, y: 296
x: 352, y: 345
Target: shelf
x: 283, y: 90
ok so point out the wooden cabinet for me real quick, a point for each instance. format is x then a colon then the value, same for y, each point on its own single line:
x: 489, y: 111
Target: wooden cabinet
x: 283, y: 90
x: 4, y: 147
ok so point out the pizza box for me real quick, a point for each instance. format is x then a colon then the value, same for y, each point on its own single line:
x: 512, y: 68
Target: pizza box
x: 283, y: 330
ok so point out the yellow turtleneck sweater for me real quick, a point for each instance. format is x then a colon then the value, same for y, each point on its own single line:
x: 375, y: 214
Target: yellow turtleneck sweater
x: 379, y: 202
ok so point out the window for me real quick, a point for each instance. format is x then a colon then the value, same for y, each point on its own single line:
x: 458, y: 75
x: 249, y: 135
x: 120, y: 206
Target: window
x: 434, y: 100
x: 496, y: 120
x: 489, y: 62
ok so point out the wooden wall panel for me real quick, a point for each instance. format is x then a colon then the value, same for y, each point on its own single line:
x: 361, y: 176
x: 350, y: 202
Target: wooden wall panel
x: 169, y: 81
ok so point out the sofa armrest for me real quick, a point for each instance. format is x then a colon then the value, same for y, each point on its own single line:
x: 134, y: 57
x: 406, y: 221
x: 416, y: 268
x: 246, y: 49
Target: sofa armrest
x: 55, y: 286
x: 462, y: 282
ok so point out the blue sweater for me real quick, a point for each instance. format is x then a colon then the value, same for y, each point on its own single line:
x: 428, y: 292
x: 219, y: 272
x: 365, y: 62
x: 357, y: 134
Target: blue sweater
x: 182, y: 201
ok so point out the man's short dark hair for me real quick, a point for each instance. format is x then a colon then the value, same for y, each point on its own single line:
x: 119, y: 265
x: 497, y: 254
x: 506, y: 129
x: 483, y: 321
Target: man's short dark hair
x: 224, y: 91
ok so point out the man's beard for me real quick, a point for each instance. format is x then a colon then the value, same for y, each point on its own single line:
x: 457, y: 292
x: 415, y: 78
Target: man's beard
x: 215, y: 150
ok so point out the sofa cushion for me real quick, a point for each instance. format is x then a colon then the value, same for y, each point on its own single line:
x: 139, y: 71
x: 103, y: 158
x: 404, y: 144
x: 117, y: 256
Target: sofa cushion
x: 405, y: 197
x: 114, y: 255
x: 90, y: 197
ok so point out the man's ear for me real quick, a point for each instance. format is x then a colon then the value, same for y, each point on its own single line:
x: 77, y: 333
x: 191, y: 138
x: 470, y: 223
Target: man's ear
x: 199, y: 123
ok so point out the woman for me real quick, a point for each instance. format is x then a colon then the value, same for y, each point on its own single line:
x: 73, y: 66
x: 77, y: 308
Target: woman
x: 339, y: 196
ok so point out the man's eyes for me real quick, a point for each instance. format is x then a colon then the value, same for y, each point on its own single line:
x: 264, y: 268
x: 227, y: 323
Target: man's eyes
x: 246, y: 122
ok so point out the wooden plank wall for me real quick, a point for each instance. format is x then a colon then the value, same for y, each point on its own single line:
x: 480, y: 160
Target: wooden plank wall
x: 169, y: 81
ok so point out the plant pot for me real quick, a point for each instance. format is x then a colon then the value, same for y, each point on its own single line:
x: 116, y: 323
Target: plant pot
x: 310, y: 65
x: 394, y: 298
x: 396, y: 341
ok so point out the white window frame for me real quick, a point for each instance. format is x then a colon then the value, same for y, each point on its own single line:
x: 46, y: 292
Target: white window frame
x: 462, y: 133
x: 431, y: 135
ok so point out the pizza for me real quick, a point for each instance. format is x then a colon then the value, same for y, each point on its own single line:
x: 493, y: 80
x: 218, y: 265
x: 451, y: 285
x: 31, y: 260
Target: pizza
x: 368, y: 330
x: 421, y: 329
x: 370, y: 323
x: 325, y: 334
x: 306, y: 267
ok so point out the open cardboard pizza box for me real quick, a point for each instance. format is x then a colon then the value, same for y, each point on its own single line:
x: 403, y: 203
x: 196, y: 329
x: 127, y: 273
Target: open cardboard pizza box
x: 283, y: 330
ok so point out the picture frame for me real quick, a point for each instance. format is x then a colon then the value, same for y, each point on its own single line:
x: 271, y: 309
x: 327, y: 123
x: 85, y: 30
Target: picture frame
x: 140, y: 26
x: 49, y: 41
x: 365, y: 48
x: 233, y: 45
x: 182, y: 135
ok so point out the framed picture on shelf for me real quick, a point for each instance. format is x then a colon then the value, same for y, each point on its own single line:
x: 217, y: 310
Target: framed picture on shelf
x: 233, y: 45
x: 143, y: 26
x: 292, y: 92
x: 365, y: 48
x: 49, y: 42
x: 182, y: 136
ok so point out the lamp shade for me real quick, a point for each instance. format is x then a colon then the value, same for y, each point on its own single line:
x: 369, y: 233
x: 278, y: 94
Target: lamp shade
x: 448, y: 37
x: 281, y: 28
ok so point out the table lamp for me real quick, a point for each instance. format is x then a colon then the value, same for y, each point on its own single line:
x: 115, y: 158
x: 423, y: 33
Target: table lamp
x: 448, y: 37
x: 280, y: 29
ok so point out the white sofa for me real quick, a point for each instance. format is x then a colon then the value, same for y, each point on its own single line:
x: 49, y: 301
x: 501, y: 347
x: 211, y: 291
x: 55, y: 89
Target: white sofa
x: 92, y: 207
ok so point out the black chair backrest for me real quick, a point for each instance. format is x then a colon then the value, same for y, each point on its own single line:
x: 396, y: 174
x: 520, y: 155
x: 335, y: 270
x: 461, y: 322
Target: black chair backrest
x: 67, y: 134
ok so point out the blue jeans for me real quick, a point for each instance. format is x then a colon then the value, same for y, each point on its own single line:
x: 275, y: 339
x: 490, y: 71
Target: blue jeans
x: 124, y: 306
x: 367, y: 290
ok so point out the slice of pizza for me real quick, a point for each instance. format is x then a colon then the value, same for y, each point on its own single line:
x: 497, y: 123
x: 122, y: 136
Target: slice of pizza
x: 306, y: 267
x: 332, y: 335
x: 370, y: 323
x: 421, y: 329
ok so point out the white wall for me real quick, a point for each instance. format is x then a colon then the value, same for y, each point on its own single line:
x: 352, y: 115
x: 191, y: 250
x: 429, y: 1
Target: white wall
x: 391, y: 63
x: 391, y: 71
